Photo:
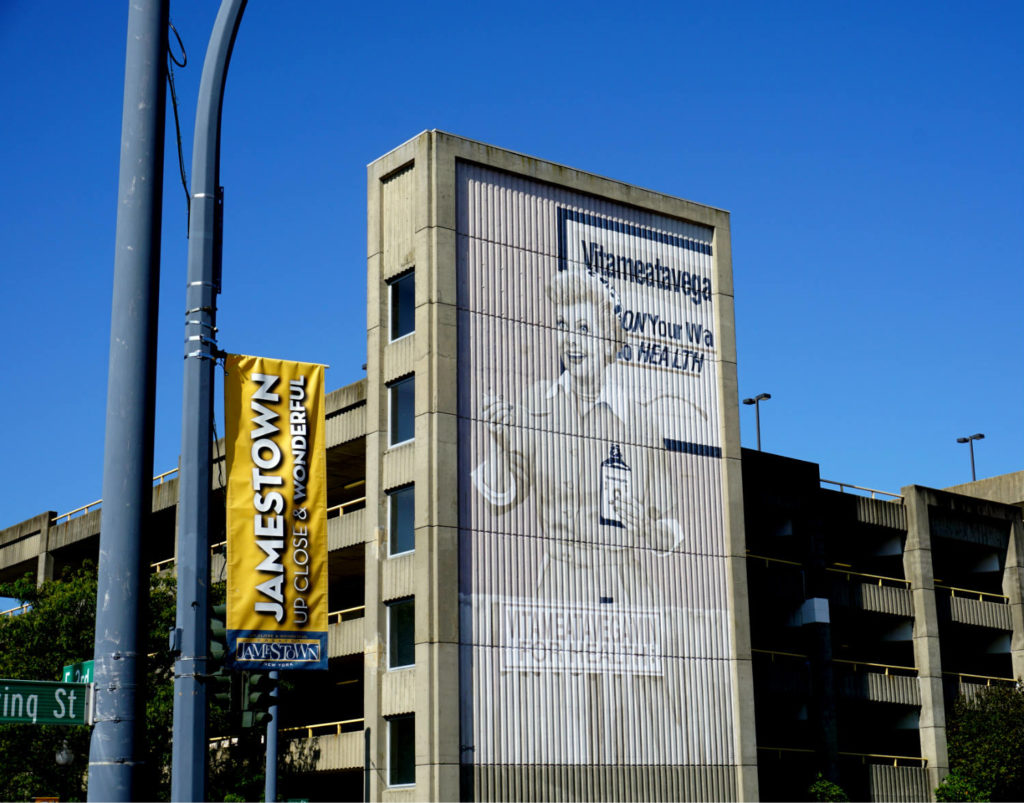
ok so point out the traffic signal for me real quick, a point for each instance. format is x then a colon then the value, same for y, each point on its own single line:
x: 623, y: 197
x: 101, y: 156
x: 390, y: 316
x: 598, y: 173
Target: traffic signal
x: 257, y: 697
x: 218, y: 638
x: 223, y: 685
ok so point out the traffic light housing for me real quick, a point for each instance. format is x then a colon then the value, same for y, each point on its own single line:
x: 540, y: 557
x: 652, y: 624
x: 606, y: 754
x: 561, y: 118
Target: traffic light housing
x: 257, y: 697
x: 218, y: 638
x: 224, y: 687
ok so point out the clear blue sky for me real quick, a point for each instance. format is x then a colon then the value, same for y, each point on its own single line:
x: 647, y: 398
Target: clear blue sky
x: 870, y: 154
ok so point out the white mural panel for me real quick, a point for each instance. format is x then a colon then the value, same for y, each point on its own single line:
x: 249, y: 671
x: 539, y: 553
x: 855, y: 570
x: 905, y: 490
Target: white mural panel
x: 594, y: 621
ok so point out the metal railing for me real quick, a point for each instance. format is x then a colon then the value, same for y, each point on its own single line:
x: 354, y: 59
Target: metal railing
x: 342, y: 509
x: 877, y: 579
x: 971, y: 593
x: 989, y: 679
x: 768, y: 560
x: 160, y: 565
x: 882, y: 758
x: 336, y: 617
x: 881, y: 669
x: 889, y: 497
x: 77, y: 511
x: 19, y: 609
x: 157, y: 480
x: 339, y: 727
x: 865, y: 758
x: 781, y: 750
x: 778, y: 654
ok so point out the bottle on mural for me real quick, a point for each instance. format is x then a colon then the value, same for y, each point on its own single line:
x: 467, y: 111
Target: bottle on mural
x: 616, y: 483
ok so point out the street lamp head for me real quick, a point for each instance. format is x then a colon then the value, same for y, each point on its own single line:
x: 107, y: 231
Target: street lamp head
x: 757, y: 398
x: 748, y: 401
x: 977, y: 436
x: 64, y: 755
x: 962, y: 440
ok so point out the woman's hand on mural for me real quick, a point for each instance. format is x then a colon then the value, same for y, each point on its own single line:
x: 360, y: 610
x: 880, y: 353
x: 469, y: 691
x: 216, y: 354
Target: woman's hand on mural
x: 632, y: 514
x: 636, y: 518
x: 500, y: 416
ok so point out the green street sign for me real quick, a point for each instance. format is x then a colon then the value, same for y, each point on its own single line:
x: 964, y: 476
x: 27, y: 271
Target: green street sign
x: 42, y: 702
x: 78, y: 673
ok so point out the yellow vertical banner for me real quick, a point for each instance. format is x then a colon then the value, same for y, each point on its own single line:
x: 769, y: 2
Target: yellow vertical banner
x: 276, y: 514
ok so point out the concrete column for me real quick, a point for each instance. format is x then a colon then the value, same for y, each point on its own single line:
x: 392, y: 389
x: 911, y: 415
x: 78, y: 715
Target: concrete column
x: 917, y: 564
x: 817, y: 626
x: 1013, y: 587
x: 44, y: 565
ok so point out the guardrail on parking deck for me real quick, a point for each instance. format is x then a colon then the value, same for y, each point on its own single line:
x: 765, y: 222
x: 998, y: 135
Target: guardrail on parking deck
x: 81, y: 511
x: 325, y: 728
x: 886, y: 496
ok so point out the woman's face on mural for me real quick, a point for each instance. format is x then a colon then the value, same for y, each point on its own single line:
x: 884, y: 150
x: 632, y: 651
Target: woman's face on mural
x: 583, y: 346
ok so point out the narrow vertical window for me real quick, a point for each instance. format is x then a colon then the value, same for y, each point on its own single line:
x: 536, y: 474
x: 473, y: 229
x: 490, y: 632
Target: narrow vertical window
x: 401, y: 633
x: 401, y: 399
x: 402, y: 750
x: 402, y: 300
x: 401, y: 505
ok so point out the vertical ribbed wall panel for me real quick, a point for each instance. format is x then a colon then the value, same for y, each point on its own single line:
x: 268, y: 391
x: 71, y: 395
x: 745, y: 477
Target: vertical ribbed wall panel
x: 347, y: 529
x: 397, y: 576
x: 898, y: 784
x: 345, y: 638
x: 882, y: 512
x: 398, y: 691
x: 336, y: 751
x: 620, y: 783
x: 346, y: 426
x: 879, y: 687
x: 399, y: 223
x: 398, y: 466
x: 886, y: 599
x: 593, y: 555
x: 980, y: 613
x: 398, y: 358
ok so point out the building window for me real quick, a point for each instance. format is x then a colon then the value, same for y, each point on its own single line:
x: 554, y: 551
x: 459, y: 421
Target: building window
x: 402, y: 300
x: 401, y: 633
x: 401, y: 400
x: 402, y: 750
x: 401, y: 536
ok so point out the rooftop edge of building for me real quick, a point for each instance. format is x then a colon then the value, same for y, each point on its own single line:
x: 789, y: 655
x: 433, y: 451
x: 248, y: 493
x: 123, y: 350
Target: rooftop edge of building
x: 535, y: 162
x: 1005, y: 488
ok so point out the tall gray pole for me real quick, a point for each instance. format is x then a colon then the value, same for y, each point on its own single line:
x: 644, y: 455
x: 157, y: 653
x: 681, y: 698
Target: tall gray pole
x: 270, y: 777
x: 189, y: 749
x: 131, y: 393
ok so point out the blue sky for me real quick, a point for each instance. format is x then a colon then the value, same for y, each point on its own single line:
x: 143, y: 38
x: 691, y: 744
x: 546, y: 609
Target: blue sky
x: 870, y: 155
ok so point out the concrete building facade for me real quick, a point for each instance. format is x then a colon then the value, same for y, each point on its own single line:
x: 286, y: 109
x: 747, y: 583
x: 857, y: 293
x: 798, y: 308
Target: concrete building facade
x: 763, y: 625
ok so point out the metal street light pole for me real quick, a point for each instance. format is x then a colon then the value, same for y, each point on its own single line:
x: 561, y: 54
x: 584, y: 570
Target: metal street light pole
x: 189, y: 748
x: 969, y: 440
x: 756, y: 401
x: 131, y: 401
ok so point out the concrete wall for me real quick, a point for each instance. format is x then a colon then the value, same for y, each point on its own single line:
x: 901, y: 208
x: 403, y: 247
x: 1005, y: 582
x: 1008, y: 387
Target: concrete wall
x: 411, y: 209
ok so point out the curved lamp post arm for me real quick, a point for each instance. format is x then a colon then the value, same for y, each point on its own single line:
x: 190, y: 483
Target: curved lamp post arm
x: 189, y: 748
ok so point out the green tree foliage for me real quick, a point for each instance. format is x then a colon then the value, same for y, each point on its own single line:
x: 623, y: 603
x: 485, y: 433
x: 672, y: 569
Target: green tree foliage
x: 824, y: 790
x: 986, y: 746
x: 58, y: 629
x: 956, y: 789
x: 35, y: 645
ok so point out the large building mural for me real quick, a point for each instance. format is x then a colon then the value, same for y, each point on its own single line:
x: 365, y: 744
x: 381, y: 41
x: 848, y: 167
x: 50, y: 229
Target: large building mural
x: 594, y: 622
